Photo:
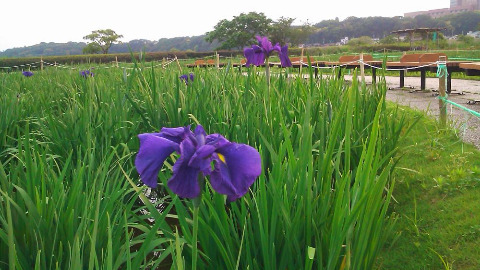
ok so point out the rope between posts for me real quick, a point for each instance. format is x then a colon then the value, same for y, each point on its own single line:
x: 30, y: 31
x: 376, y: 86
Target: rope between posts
x: 477, y: 114
x: 330, y: 67
x: 104, y: 67
x: 399, y: 69
x: 22, y: 65
x: 443, y: 72
x: 35, y: 65
x: 375, y: 67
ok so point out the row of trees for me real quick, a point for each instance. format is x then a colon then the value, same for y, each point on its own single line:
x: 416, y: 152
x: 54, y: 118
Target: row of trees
x: 331, y: 31
x: 240, y: 32
x: 234, y: 34
x: 184, y: 44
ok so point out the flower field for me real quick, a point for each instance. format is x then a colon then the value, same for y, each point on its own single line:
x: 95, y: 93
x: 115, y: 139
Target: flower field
x: 72, y: 198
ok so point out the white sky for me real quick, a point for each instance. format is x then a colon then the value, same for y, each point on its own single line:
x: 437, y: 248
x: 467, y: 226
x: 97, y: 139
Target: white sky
x: 29, y: 22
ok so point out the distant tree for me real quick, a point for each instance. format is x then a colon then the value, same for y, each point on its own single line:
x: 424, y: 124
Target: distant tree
x: 300, y: 34
x: 467, y: 40
x: 104, y: 39
x: 390, y: 39
x: 364, y: 40
x: 240, y: 31
x: 91, y: 48
x: 425, y: 21
x: 464, y: 22
x: 283, y: 32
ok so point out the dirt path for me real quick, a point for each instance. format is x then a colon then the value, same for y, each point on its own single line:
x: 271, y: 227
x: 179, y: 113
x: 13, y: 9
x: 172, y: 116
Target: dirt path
x: 467, y: 124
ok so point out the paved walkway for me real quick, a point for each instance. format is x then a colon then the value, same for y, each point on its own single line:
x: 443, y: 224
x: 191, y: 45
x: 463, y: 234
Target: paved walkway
x: 467, y: 124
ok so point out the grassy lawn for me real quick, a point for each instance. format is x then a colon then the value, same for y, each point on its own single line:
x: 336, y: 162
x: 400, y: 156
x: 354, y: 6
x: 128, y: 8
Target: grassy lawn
x: 437, y: 204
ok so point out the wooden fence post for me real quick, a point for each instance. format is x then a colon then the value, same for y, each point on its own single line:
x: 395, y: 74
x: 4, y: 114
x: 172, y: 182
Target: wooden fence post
x: 301, y: 62
x: 41, y: 63
x: 217, y: 63
x: 362, y: 68
x: 178, y: 63
x: 442, y: 105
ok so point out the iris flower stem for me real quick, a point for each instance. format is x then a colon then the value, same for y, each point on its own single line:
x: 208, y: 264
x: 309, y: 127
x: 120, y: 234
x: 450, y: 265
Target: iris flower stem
x: 267, y: 72
x: 196, y: 206
x: 196, y: 210
x: 267, y: 75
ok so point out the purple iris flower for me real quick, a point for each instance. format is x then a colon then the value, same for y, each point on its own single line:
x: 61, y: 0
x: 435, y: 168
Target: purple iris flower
x: 257, y: 54
x: 186, y: 77
x: 235, y: 166
x: 27, y: 73
x: 86, y: 73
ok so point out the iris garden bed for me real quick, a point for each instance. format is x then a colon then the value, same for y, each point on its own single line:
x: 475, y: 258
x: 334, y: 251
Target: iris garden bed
x: 71, y: 197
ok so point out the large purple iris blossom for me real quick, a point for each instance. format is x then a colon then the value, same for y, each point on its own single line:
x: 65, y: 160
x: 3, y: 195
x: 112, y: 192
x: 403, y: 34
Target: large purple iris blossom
x: 257, y: 54
x: 235, y: 166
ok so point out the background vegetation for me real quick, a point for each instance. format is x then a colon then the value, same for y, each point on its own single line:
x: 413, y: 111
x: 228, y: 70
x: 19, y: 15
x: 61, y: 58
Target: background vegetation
x: 282, y: 30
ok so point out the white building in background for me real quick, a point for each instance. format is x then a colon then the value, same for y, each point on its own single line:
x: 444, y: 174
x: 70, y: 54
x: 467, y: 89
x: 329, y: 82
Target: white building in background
x: 475, y: 34
x: 456, y: 6
x: 465, y: 3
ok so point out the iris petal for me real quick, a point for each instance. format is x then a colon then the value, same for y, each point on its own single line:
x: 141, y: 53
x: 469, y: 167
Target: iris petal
x: 175, y: 134
x: 265, y: 44
x: 203, y: 156
x: 184, y: 181
x: 152, y: 153
x: 283, y: 54
x: 200, y: 135
x: 277, y: 48
x: 234, y: 176
x: 249, y: 54
x: 255, y: 56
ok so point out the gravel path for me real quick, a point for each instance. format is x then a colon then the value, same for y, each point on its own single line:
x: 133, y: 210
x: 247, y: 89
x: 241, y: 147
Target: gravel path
x: 467, y: 124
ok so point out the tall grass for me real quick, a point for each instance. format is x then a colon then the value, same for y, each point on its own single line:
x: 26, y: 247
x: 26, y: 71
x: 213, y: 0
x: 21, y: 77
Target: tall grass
x: 71, y: 198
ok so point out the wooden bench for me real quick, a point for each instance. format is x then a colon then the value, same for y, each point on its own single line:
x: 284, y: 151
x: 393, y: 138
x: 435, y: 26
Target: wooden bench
x: 353, y: 58
x: 422, y: 62
x: 299, y: 60
x: 353, y: 62
x: 296, y: 63
x: 244, y: 61
x: 471, y: 69
x: 205, y: 63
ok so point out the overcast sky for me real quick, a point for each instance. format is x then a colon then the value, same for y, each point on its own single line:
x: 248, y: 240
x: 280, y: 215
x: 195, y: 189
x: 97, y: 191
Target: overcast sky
x: 29, y: 22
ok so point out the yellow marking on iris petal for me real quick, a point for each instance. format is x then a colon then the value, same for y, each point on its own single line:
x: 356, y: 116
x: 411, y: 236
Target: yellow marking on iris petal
x: 222, y: 158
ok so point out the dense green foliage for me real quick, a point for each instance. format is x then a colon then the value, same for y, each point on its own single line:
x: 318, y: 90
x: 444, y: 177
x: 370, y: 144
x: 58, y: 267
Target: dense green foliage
x: 183, y: 44
x: 240, y: 31
x: 70, y: 196
x: 102, y: 58
x: 331, y: 31
x: 282, y: 30
x: 101, y: 41
x: 436, y: 199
